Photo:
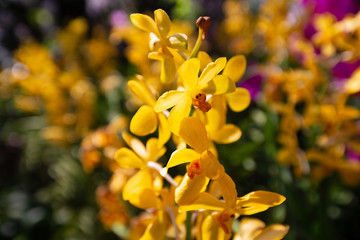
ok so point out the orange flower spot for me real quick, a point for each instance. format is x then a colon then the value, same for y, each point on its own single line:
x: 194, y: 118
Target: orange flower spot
x: 221, y: 218
x: 200, y: 102
x: 194, y: 168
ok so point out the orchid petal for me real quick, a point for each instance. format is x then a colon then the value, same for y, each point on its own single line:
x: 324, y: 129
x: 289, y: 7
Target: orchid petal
x: 220, y: 84
x: 210, y: 229
x: 274, y: 231
x: 235, y: 68
x: 163, y: 22
x: 211, y: 70
x: 141, y: 91
x: 168, y: 100
x: 156, y: 228
x: 216, y: 117
x: 251, y: 227
x: 204, y: 201
x: 135, y: 144
x: 182, y: 156
x: 238, y: 100
x: 164, y: 129
x: 168, y: 70
x: 258, y: 201
x: 128, y: 159
x: 189, y: 189
x: 193, y: 131
x: 229, y: 133
x: 228, y: 190
x: 144, y: 121
x: 145, y: 23
x: 188, y: 72
x: 154, y: 149
x: 178, y: 113
x: 138, y: 190
x: 211, y: 166
x: 204, y: 58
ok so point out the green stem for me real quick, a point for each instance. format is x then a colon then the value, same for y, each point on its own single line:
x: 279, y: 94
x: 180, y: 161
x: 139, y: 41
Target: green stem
x: 188, y: 225
x: 197, y: 44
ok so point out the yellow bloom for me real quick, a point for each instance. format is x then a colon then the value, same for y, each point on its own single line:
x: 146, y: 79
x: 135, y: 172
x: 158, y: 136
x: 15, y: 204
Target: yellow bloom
x: 203, y: 163
x: 160, y: 42
x: 215, y: 119
x: 234, y: 69
x: 164, y: 216
x: 195, y: 91
x: 226, y: 212
x: 140, y: 189
x: 218, y: 225
x: 349, y: 171
x: 193, y: 131
x: 146, y: 120
x: 326, y: 34
x: 255, y: 229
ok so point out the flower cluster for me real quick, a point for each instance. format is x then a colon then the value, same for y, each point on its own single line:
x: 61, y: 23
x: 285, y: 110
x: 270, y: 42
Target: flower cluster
x: 41, y: 81
x: 198, y: 91
x: 174, y: 129
x: 318, y: 123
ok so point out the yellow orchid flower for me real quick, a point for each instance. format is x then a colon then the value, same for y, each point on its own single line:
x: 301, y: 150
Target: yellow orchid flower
x: 203, y: 163
x: 234, y: 69
x: 226, y: 211
x: 193, y: 131
x: 160, y: 42
x: 349, y: 171
x: 146, y: 120
x: 255, y: 229
x: 140, y: 189
x: 215, y: 118
x: 165, y: 215
x: 195, y: 91
x: 232, y: 206
x: 326, y: 34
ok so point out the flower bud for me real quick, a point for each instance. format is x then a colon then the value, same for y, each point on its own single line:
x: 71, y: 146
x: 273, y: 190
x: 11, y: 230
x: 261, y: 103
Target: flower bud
x: 204, y: 24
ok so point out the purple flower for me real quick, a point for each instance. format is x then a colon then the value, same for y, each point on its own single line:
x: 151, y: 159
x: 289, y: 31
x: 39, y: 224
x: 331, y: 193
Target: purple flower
x: 336, y: 7
x: 118, y: 18
x: 253, y: 85
x: 343, y: 70
x: 352, y: 156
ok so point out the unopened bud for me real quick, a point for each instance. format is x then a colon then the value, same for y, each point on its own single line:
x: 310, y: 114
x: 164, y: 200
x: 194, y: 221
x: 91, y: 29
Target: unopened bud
x: 204, y: 24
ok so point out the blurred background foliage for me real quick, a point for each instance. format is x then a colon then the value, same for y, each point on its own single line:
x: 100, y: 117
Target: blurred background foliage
x: 45, y: 193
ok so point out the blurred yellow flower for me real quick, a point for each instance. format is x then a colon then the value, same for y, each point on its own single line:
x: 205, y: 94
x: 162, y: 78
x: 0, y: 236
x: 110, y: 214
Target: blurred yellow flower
x: 255, y: 229
x: 146, y: 120
x: 141, y: 189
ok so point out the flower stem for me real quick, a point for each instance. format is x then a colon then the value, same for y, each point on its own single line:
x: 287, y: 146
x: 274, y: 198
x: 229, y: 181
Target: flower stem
x: 158, y: 168
x: 188, y: 225
x: 173, y: 221
x: 197, y: 44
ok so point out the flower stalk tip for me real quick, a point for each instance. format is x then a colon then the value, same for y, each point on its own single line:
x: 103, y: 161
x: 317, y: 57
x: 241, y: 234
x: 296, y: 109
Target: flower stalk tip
x: 203, y: 23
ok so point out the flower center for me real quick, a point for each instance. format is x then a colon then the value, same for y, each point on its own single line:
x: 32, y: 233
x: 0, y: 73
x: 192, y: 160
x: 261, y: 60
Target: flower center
x: 194, y: 168
x: 223, y: 217
x: 200, y: 101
